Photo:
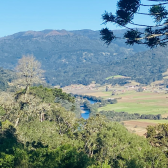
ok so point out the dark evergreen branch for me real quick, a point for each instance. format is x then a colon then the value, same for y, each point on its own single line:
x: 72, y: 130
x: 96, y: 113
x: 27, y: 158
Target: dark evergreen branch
x: 158, y: 12
x: 147, y: 25
x: 131, y: 29
x: 155, y: 4
x: 147, y: 13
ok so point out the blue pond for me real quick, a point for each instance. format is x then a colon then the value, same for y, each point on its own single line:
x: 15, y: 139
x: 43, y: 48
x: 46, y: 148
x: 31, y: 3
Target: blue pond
x: 86, y: 113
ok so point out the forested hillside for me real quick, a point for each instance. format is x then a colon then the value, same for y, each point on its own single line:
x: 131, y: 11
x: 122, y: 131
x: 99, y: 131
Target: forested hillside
x: 143, y: 67
x: 80, y: 57
x: 59, y: 49
x: 64, y: 53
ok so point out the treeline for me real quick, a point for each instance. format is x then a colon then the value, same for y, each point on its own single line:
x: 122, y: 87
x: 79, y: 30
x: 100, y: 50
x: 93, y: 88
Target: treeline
x: 119, y: 81
x: 93, y: 108
x: 123, y: 116
x: 95, y: 99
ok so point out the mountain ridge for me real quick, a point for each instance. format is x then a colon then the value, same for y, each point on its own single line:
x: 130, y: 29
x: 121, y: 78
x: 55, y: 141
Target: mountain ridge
x: 77, y: 56
x: 51, y: 44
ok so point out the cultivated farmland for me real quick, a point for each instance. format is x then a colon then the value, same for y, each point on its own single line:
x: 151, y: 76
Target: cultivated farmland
x: 139, y: 102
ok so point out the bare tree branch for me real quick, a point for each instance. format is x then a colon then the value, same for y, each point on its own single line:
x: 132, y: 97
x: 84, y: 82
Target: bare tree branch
x: 29, y: 71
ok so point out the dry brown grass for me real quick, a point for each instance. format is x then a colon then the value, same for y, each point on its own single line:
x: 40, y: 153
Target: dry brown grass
x: 97, y: 94
x: 142, y: 124
x: 165, y: 115
x: 137, y: 127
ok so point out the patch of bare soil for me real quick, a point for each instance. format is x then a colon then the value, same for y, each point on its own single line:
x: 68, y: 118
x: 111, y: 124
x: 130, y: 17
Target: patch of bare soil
x: 138, y: 123
x: 97, y: 94
x: 82, y: 91
x: 137, y: 127
x: 165, y: 115
x: 137, y: 130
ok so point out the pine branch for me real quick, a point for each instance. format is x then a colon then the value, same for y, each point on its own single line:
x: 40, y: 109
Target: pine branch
x: 147, y: 25
x: 155, y: 4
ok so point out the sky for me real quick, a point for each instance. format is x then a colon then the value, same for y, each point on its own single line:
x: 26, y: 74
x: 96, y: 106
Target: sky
x: 37, y: 15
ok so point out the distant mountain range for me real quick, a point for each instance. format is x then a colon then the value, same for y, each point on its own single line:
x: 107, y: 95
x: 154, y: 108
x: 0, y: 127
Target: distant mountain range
x: 57, y: 48
x: 80, y: 56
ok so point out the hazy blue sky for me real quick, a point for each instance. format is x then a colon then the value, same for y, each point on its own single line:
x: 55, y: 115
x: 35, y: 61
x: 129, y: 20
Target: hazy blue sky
x: 23, y: 15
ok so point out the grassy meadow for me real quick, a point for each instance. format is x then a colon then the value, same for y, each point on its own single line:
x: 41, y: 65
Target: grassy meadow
x: 116, y: 76
x: 138, y: 102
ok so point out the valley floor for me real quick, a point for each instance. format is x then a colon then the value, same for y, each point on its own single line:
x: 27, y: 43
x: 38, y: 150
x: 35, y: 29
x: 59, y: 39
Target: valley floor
x: 153, y: 100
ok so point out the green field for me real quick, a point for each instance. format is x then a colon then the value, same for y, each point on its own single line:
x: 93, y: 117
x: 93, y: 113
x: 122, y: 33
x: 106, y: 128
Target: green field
x: 108, y: 94
x: 116, y: 76
x: 138, y: 102
x: 135, y: 108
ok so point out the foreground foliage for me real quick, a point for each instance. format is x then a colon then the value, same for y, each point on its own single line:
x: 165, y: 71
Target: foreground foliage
x: 95, y: 143
x: 47, y: 135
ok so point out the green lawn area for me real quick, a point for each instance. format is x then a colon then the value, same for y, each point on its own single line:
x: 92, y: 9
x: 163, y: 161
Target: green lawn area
x: 140, y: 108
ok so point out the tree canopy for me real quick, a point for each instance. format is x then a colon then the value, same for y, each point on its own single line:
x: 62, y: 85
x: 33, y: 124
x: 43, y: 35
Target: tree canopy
x: 151, y: 35
x: 39, y: 132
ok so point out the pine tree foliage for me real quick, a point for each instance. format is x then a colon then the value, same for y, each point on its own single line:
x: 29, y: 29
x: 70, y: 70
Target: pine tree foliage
x: 151, y: 35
